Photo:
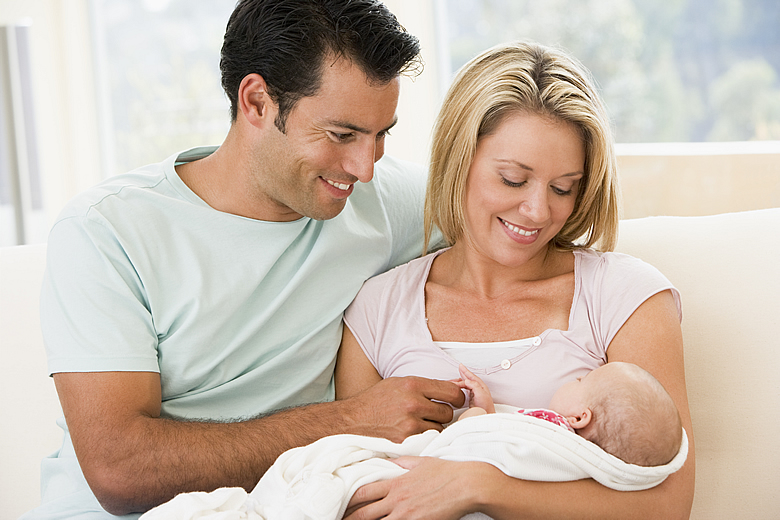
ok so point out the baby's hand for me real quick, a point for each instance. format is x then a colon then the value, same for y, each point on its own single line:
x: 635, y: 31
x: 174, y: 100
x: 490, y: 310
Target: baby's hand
x: 480, y: 395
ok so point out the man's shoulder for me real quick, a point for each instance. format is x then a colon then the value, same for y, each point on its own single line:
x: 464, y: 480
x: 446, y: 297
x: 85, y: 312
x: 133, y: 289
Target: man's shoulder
x: 116, y: 187
x: 389, y: 165
x: 396, y: 193
x: 395, y: 177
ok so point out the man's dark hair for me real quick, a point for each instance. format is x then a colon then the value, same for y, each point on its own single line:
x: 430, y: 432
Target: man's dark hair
x: 287, y: 41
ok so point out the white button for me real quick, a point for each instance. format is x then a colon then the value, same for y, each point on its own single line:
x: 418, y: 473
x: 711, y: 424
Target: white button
x: 537, y: 341
x: 505, y: 364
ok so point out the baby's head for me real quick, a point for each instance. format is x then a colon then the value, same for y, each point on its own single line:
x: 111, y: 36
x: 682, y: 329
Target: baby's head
x: 624, y: 410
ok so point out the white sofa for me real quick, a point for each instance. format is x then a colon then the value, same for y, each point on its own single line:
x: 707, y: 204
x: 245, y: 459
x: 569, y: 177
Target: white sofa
x: 726, y: 266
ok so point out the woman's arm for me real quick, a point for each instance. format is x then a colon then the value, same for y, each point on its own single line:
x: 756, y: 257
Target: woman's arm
x: 652, y: 339
x: 354, y: 371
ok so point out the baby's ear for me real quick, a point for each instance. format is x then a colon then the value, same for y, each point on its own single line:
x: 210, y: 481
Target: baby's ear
x: 580, y: 420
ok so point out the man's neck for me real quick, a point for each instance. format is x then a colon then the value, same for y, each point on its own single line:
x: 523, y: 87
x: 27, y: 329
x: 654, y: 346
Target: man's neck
x: 223, y: 180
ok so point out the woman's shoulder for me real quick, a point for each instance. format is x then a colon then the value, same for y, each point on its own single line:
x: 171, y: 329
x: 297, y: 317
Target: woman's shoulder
x: 411, y: 269
x: 611, y: 263
x: 618, y: 277
x: 610, y: 273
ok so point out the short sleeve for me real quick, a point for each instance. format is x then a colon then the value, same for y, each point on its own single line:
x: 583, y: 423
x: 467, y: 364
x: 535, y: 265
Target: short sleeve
x: 93, y: 311
x: 363, y: 317
x: 614, y: 286
x: 388, y: 318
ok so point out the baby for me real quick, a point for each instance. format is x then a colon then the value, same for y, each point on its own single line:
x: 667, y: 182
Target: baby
x: 619, y: 406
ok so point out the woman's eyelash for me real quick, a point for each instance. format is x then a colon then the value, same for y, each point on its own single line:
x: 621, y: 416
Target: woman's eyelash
x: 559, y: 191
x: 510, y: 183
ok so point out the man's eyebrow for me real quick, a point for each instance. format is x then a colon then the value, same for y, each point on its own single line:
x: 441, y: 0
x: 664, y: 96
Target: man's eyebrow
x: 360, y: 129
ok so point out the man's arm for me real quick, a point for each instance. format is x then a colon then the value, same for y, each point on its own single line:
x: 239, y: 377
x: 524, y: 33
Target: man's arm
x: 134, y: 460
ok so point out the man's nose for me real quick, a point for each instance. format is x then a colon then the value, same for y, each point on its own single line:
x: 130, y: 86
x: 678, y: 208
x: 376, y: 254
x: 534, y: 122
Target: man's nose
x: 361, y: 161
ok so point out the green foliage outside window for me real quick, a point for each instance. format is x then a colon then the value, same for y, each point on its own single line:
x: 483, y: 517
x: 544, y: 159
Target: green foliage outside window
x: 669, y: 70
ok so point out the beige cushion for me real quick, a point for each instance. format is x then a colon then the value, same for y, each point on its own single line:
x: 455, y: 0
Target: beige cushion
x: 727, y: 268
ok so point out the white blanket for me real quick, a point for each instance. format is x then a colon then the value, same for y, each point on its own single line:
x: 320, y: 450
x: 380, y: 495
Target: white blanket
x: 315, y: 482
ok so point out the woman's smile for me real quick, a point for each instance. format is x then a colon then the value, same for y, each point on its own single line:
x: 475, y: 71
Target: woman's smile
x: 523, y: 178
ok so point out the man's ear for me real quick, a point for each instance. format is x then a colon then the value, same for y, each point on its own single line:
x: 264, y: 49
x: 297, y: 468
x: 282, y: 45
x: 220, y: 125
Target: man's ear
x: 254, y: 103
x: 580, y: 420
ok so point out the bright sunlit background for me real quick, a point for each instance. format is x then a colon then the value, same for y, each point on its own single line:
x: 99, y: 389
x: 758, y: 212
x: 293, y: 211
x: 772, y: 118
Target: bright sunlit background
x: 109, y: 85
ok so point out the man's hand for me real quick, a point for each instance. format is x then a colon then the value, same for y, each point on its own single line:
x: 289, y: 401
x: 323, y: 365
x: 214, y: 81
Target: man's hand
x: 133, y: 459
x: 396, y: 408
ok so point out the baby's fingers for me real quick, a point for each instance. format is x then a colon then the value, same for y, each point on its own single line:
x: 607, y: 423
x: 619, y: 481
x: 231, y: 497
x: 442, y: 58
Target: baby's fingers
x: 466, y: 374
x: 460, y: 382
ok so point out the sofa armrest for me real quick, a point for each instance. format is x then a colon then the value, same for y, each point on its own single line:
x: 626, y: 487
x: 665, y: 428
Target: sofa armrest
x: 727, y: 268
x: 28, y: 401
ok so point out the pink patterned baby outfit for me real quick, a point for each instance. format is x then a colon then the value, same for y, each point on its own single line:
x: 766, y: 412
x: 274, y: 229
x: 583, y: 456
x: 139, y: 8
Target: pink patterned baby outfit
x: 548, y: 415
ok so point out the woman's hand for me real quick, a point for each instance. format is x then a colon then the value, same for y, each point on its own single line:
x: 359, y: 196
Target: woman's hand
x: 433, y: 489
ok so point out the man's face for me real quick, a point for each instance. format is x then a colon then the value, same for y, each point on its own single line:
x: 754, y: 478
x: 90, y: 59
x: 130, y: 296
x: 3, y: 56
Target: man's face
x: 332, y: 141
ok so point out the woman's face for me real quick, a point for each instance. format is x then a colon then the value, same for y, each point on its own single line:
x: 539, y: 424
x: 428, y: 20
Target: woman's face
x: 522, y: 187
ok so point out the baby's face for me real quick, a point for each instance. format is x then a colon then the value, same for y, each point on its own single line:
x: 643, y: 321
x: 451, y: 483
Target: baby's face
x: 573, y: 398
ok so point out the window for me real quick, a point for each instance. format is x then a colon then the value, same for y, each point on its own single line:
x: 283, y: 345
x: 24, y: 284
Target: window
x: 677, y: 70
x: 21, y: 204
x: 672, y: 71
x: 158, y: 65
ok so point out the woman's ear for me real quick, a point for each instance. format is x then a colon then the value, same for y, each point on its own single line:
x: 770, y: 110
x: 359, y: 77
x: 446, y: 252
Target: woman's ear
x: 580, y: 420
x: 254, y: 103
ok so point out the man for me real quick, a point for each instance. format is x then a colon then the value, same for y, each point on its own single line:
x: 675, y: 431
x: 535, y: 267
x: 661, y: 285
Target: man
x: 187, y: 300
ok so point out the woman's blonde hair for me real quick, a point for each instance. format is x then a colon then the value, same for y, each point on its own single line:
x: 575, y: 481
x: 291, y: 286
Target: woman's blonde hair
x: 529, y: 78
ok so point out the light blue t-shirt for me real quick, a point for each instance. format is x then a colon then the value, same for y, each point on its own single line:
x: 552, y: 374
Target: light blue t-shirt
x: 239, y: 316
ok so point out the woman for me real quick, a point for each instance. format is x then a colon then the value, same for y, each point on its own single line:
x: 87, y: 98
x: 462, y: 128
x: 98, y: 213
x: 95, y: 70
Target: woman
x: 523, y: 187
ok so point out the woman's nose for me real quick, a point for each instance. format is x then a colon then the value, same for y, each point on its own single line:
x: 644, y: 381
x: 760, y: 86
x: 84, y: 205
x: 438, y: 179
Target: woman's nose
x: 535, y: 206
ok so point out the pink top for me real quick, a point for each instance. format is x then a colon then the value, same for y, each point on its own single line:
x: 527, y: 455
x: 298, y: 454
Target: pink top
x: 388, y: 320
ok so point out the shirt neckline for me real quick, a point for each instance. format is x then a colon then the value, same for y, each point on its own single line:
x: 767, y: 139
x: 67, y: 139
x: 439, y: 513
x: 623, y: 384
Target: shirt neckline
x: 195, y: 154
x: 424, y: 322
